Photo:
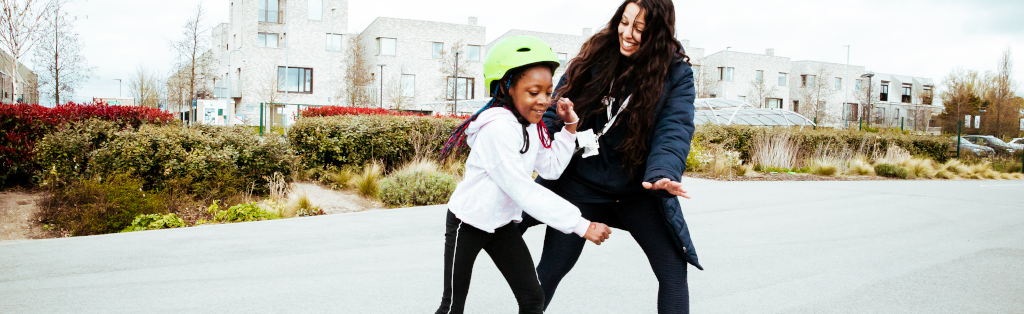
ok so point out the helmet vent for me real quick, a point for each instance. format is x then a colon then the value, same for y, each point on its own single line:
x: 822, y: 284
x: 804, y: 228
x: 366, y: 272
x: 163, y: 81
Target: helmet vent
x: 524, y: 49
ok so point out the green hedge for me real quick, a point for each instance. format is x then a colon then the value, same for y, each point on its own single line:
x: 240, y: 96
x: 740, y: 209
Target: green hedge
x: 740, y: 138
x: 353, y: 140
x: 207, y: 161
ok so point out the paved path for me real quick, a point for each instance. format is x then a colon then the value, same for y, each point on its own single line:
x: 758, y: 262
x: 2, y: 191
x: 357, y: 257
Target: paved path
x: 769, y: 247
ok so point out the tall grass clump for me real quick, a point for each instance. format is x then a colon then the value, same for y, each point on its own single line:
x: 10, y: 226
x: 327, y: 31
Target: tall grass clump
x: 861, y: 166
x: 831, y: 160
x: 921, y: 168
x: 367, y: 183
x: 775, y: 151
x: 892, y: 171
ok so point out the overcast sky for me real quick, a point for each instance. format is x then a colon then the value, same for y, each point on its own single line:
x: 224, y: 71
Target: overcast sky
x: 907, y: 37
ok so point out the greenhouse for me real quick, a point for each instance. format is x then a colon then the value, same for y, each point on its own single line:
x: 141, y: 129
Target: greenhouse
x: 723, y: 111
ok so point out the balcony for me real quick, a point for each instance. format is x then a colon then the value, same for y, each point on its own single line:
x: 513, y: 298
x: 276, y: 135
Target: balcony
x: 227, y: 88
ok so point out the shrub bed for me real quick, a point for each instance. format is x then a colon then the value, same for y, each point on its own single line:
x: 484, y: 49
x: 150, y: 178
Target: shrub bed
x: 892, y: 171
x: 347, y: 111
x: 99, y: 206
x: 355, y: 140
x: 417, y: 188
x: 741, y: 138
x: 24, y: 125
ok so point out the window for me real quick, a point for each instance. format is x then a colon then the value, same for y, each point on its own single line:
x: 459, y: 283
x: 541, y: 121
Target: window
x: 879, y: 115
x: 725, y: 74
x: 408, y: 85
x: 884, y: 94
x: 839, y: 83
x: 741, y: 98
x: 967, y: 121
x: 759, y: 76
x: 859, y: 83
x: 464, y: 88
x: 807, y: 80
x: 821, y: 108
x: 334, y: 42
x: 906, y: 93
x: 796, y: 106
x: 977, y: 121
x: 437, y: 49
x: 473, y: 53
x: 295, y: 80
x: 266, y: 40
x: 386, y: 46
x: 696, y: 73
x: 315, y: 9
x: 268, y: 11
x: 850, y: 112
x: 774, y: 103
x: 782, y: 79
x: 562, y: 58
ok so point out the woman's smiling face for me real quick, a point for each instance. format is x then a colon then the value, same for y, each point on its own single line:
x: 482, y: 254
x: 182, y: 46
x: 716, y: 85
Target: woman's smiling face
x: 630, y: 28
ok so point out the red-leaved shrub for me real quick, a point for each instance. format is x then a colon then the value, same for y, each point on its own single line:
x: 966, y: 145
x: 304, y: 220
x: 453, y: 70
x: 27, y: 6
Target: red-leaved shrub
x: 23, y: 125
x: 349, y: 111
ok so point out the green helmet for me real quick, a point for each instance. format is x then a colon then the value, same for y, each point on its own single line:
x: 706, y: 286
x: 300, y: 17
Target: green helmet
x: 514, y: 52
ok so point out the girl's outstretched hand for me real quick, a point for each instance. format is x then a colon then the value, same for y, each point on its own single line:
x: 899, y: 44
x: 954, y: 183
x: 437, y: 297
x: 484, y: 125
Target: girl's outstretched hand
x: 597, y: 233
x: 565, y: 111
x: 672, y: 187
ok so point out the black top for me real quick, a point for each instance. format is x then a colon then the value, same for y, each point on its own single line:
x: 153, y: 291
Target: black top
x: 604, y: 178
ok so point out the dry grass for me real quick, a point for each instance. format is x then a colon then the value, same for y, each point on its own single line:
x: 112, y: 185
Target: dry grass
x: 420, y: 165
x: 744, y: 170
x: 955, y: 167
x: 861, y: 166
x: 277, y: 186
x: 921, y: 168
x: 831, y: 160
x: 779, y: 151
x: 895, y: 155
x: 824, y: 167
x: 367, y: 183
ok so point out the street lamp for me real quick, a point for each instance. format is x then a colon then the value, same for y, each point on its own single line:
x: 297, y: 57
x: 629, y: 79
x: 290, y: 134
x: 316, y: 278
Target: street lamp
x: 381, y: 65
x: 846, y: 98
x: 330, y: 94
x: 455, y: 108
x: 118, y: 87
x: 869, y: 75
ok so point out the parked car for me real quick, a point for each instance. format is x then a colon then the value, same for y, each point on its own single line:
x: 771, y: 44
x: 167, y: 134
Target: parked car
x: 1018, y: 142
x: 978, y: 150
x: 993, y: 142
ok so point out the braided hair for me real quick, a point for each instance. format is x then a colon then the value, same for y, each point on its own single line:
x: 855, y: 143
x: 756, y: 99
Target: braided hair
x: 501, y: 98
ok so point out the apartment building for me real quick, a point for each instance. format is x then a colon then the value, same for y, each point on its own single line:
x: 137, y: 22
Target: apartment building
x: 836, y: 95
x: 28, y: 81
x: 414, y: 61
x: 278, y: 51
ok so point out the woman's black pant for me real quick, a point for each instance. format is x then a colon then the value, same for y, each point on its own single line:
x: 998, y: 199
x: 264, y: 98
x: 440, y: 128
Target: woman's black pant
x: 644, y: 220
x: 508, y: 251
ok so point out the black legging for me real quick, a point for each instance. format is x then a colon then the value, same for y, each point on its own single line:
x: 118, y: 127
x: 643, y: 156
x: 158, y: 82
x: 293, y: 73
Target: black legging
x: 508, y: 251
x: 646, y: 223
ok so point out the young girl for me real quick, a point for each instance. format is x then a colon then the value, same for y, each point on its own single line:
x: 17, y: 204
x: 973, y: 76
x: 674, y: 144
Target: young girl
x: 507, y: 147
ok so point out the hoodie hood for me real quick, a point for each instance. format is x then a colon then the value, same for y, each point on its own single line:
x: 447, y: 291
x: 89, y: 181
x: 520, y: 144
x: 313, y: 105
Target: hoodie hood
x: 488, y: 116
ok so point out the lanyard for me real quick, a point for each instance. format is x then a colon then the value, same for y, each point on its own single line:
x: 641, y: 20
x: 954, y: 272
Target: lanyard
x: 611, y: 118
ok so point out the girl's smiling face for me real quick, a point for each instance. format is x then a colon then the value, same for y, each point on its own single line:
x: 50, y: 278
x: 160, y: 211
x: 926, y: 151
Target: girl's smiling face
x: 532, y: 93
x: 630, y: 28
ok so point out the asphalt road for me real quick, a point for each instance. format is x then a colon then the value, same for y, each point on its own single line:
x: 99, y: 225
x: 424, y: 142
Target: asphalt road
x: 768, y: 247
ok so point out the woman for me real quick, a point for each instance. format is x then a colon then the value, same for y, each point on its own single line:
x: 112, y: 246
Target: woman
x: 633, y: 87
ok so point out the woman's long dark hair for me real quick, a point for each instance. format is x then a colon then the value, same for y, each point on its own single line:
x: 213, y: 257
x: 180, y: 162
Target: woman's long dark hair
x: 646, y: 68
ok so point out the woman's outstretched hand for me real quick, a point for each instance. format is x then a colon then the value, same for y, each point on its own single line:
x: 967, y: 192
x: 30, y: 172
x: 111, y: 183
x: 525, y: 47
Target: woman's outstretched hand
x: 672, y: 187
x: 597, y: 233
x: 565, y: 111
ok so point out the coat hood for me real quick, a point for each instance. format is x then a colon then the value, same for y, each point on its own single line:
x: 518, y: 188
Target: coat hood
x: 488, y: 116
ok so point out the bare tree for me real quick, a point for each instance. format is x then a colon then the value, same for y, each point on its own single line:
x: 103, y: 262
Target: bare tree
x: 395, y: 95
x: 59, y: 54
x: 1001, y: 112
x: 20, y: 25
x: 960, y: 97
x: 357, y: 91
x: 706, y: 83
x: 144, y: 86
x: 760, y: 92
x: 814, y: 90
x: 191, y: 49
x: 449, y: 82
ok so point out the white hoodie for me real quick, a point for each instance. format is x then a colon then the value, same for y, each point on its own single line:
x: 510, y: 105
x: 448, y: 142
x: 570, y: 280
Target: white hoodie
x: 498, y: 184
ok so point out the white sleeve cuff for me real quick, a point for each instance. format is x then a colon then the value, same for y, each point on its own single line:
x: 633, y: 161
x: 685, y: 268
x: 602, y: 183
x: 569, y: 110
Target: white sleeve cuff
x: 581, y: 227
x: 566, y: 136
